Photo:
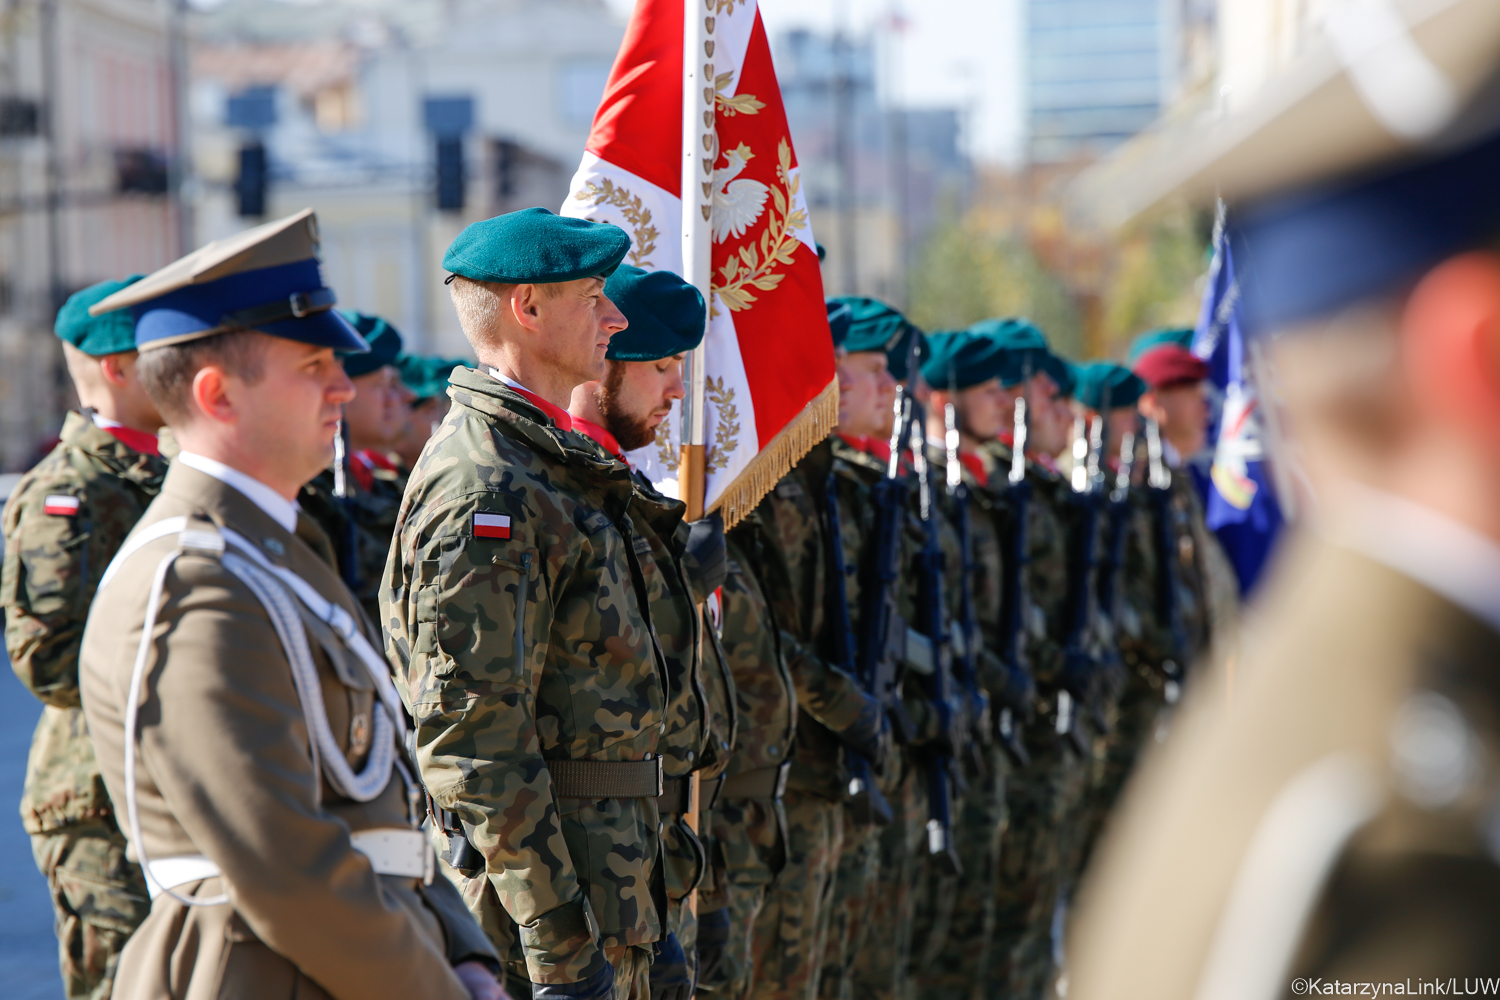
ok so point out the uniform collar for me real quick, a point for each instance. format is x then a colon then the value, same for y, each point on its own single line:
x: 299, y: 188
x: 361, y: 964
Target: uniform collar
x: 1443, y: 555
x: 561, y: 417
x: 131, y: 438
x: 277, y: 507
x: 78, y: 431
x: 606, y: 440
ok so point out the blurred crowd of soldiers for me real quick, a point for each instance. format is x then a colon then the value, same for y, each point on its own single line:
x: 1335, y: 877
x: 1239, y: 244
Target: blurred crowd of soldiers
x: 858, y: 746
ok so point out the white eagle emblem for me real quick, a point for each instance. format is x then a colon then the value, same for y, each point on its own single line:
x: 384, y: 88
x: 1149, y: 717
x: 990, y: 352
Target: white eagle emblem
x: 737, y: 203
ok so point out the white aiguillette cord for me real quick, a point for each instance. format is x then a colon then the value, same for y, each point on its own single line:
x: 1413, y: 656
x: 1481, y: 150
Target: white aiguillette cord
x: 264, y: 580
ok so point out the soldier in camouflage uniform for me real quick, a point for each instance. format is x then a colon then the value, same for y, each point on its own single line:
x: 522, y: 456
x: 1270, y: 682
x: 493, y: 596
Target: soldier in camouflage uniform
x: 63, y: 524
x: 682, y: 565
x: 357, y: 505
x: 517, y: 609
x: 957, y: 919
x: 748, y: 826
x: 1042, y: 795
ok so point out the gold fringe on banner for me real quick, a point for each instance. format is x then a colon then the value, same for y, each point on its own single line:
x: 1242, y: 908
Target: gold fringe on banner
x: 781, y: 453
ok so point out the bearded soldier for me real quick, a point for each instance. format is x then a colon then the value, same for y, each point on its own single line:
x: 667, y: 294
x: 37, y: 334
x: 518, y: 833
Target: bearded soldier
x: 238, y: 704
x: 64, y: 522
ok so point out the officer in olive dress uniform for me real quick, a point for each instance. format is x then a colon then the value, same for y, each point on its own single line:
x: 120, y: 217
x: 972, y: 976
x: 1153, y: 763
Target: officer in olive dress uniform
x: 64, y: 522
x: 1322, y: 820
x: 240, y: 709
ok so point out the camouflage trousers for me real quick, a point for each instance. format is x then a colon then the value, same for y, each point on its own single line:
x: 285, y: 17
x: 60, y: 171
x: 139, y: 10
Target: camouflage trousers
x: 1141, y: 711
x: 793, y: 929
x: 99, y: 899
x: 748, y: 854
x: 858, y: 869
x: 1040, y: 799
x: 883, y: 955
x: 955, y: 921
x: 684, y: 865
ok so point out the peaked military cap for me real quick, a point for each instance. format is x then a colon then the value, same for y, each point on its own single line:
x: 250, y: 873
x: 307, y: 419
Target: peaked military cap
x: 1369, y: 160
x: 1182, y: 337
x: 666, y: 314
x: 839, y: 318
x: 959, y: 359
x: 96, y: 336
x: 267, y: 279
x: 1104, y: 385
x: 427, y: 376
x: 534, y: 246
x: 875, y: 326
x: 383, y: 338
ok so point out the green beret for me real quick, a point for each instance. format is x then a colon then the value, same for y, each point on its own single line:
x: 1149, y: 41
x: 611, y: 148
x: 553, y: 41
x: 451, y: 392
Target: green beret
x: 875, y: 326
x: 1025, y: 344
x: 1182, y: 337
x: 97, y: 336
x: 1063, y: 372
x: 666, y: 314
x: 426, y: 376
x: 960, y: 359
x: 1104, y: 385
x: 383, y: 338
x: 533, y: 246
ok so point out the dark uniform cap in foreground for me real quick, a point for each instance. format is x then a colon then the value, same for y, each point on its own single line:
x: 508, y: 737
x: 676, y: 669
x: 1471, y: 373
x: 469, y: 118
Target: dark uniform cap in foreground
x: 875, y: 326
x: 960, y: 359
x: 266, y: 279
x: 96, y: 336
x: 665, y: 313
x: 427, y: 376
x: 383, y: 338
x: 535, y: 247
x: 1182, y: 337
x: 1167, y: 365
x: 1104, y: 385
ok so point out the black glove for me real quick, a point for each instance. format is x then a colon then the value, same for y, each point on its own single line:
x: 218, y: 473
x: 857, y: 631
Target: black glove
x: 670, y: 977
x: 599, y: 986
x: 713, y: 938
x: 705, y: 545
x: 1019, y: 694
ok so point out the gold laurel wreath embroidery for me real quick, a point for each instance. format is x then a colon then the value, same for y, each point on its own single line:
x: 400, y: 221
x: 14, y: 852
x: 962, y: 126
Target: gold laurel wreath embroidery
x: 720, y: 6
x: 739, y: 104
x: 643, y: 232
x: 750, y: 268
x: 666, y: 449
x: 726, y: 427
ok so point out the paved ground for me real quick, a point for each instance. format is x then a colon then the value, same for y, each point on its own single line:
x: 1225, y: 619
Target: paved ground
x: 28, y: 951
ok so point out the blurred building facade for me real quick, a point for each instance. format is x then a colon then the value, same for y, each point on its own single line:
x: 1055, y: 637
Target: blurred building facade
x: 877, y: 177
x: 89, y: 161
x: 400, y: 122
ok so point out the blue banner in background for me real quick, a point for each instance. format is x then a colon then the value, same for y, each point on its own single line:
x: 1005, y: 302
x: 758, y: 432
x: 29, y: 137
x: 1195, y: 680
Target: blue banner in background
x: 1237, y: 491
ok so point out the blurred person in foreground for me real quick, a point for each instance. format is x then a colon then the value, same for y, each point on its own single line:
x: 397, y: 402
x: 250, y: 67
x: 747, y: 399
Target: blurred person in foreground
x: 63, y: 524
x: 239, y: 707
x: 1327, y: 814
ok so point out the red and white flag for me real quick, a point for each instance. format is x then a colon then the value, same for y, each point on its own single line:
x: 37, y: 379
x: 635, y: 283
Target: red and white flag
x: 771, y: 393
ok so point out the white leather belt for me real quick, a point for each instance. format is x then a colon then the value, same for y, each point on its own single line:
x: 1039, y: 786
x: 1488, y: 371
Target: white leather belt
x: 391, y: 850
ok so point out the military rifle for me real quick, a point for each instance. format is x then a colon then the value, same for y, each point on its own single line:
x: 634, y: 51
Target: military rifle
x: 882, y: 631
x: 1012, y: 604
x: 866, y: 801
x: 1116, y: 533
x: 348, y: 542
x: 967, y: 645
x: 1080, y: 666
x: 1159, y: 489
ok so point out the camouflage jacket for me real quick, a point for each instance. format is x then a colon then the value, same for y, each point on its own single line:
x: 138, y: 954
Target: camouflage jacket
x: 514, y: 606
x: 361, y: 528
x: 795, y: 575
x: 52, y: 566
x: 765, y: 697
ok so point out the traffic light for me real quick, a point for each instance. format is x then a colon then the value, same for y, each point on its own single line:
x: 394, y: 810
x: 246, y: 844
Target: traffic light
x: 250, y: 185
x: 450, y: 173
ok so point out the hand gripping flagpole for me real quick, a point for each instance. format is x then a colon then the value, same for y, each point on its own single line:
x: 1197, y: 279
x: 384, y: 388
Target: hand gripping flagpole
x: 699, y: 150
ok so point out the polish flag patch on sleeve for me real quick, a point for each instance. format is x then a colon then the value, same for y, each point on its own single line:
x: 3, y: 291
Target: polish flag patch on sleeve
x: 62, y: 506
x: 491, y: 525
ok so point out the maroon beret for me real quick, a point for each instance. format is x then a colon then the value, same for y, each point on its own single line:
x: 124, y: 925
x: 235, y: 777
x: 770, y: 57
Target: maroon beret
x: 1169, y: 365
